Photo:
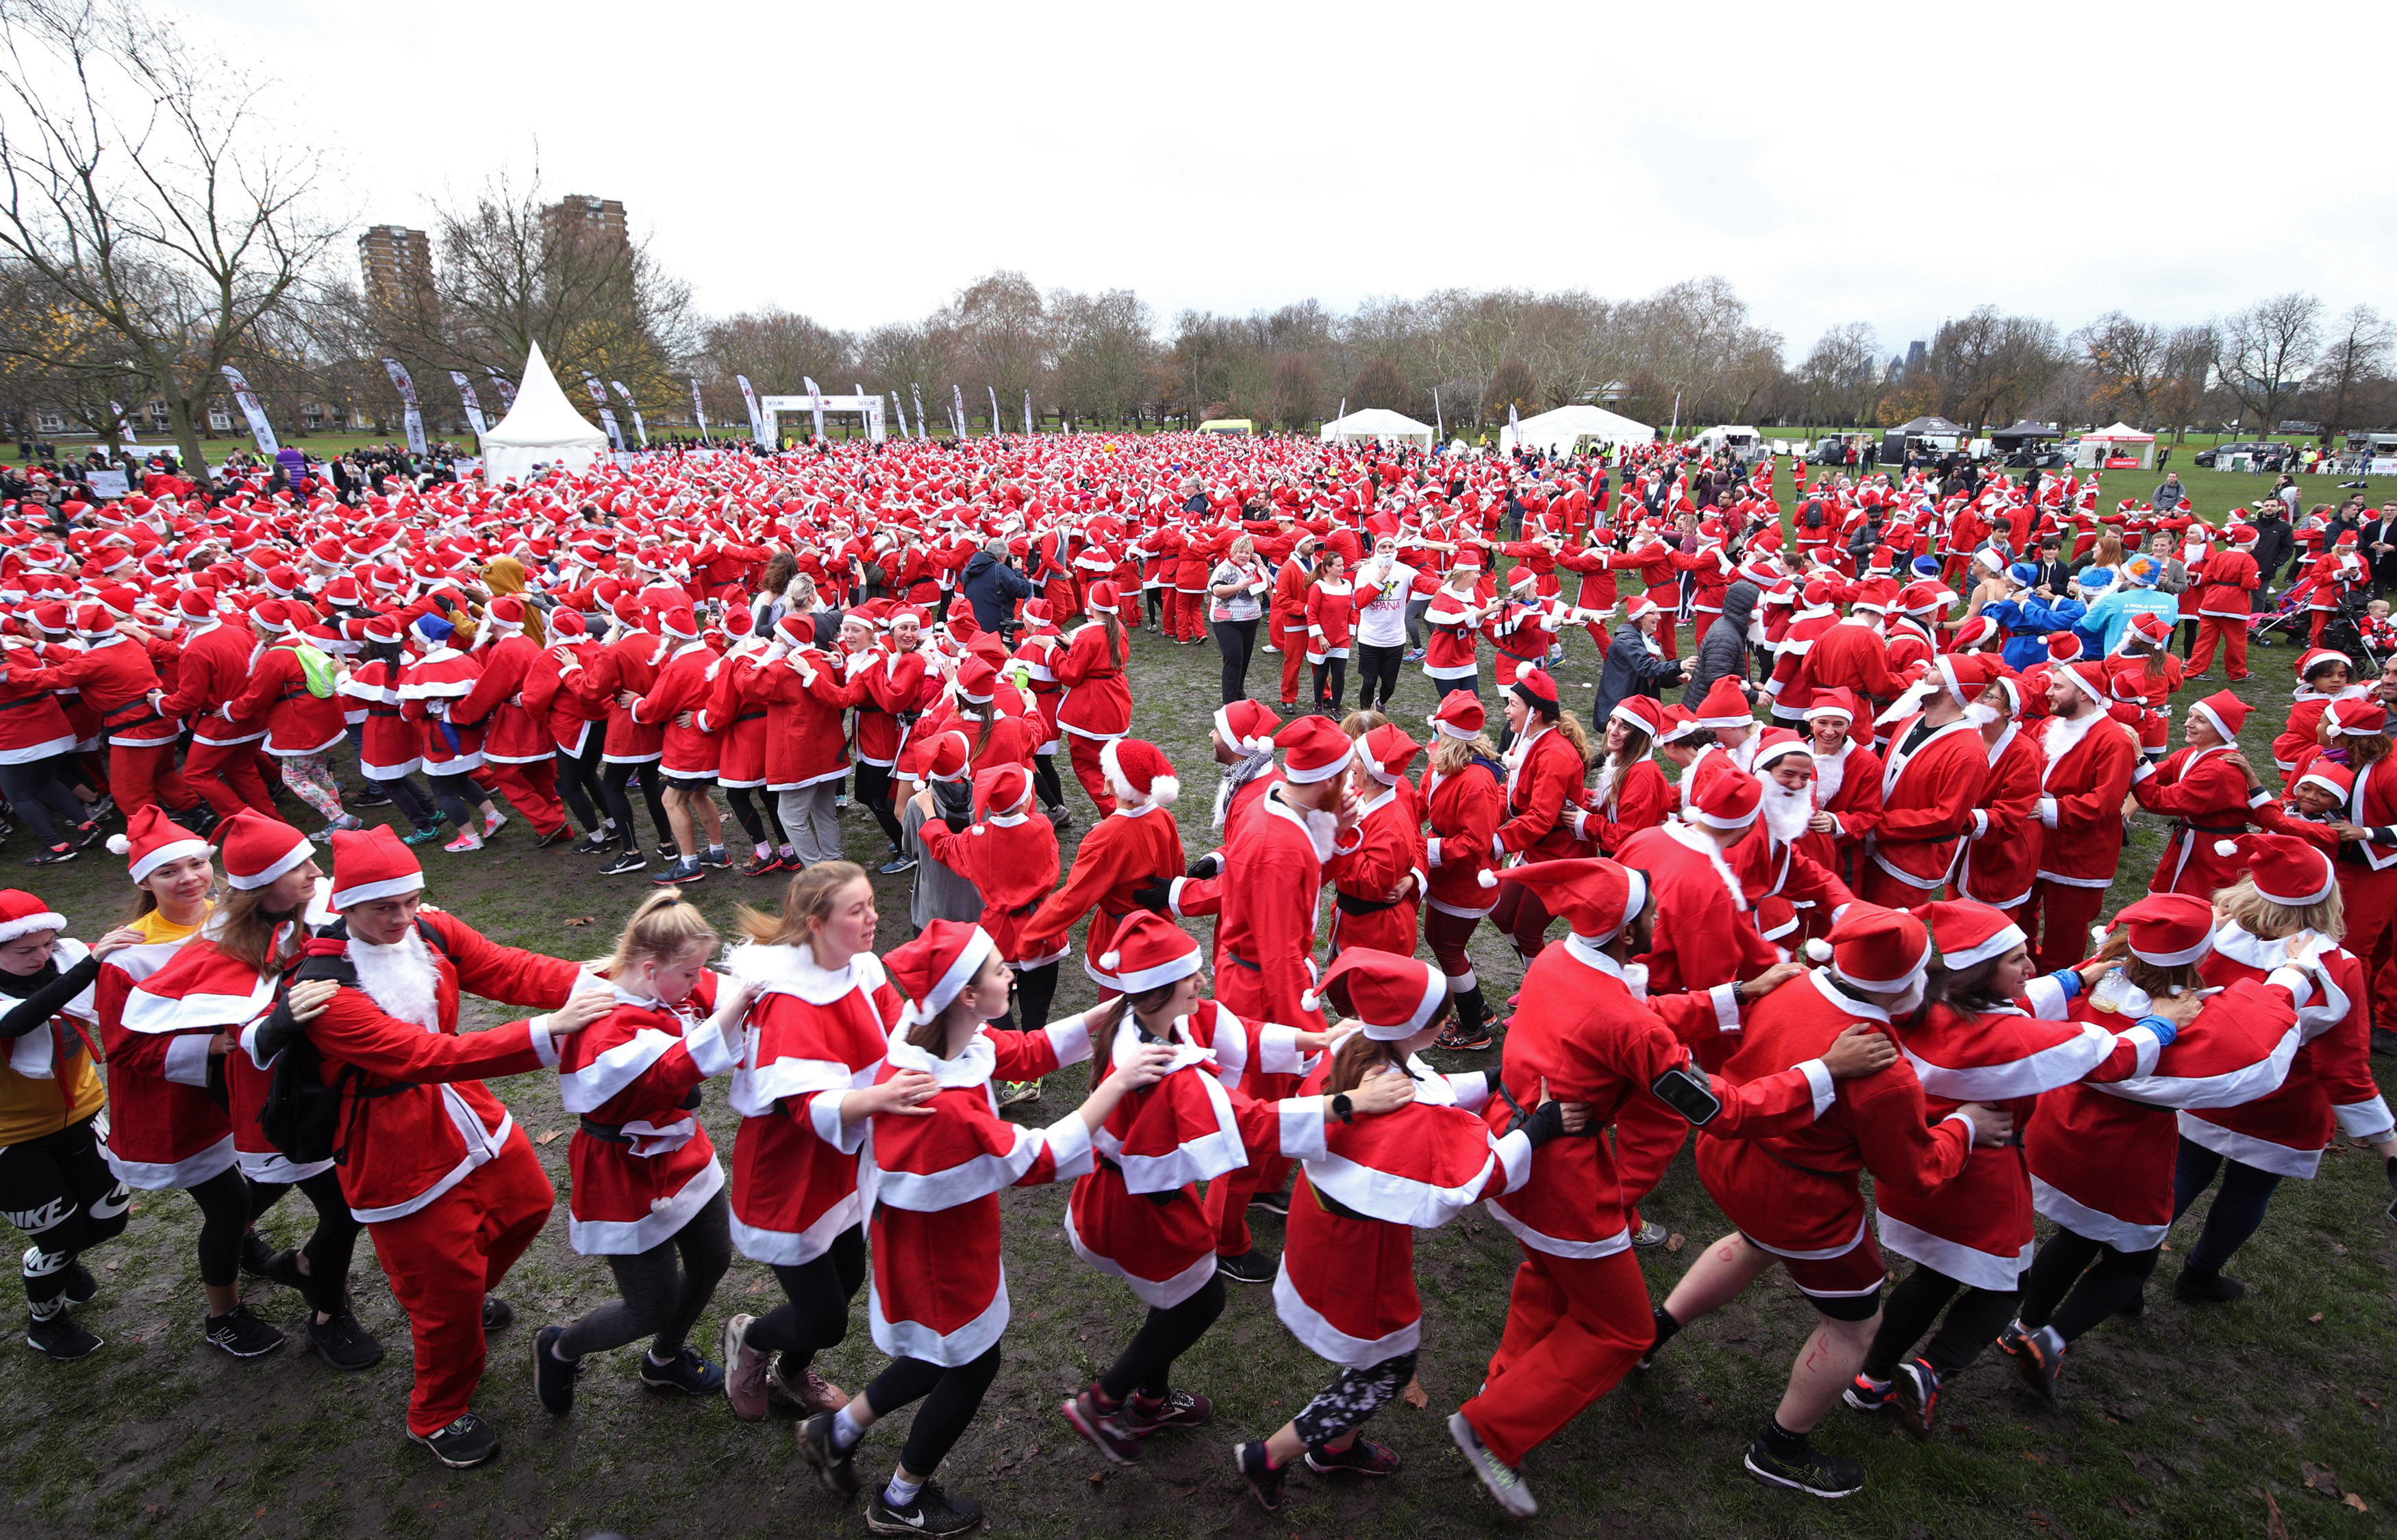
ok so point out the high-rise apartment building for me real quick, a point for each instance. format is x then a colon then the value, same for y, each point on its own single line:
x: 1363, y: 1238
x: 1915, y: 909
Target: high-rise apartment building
x: 601, y: 217
x: 396, y: 265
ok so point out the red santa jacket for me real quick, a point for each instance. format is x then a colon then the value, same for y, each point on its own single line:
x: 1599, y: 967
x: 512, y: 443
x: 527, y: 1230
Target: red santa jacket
x: 2089, y: 761
x: 2207, y: 800
x: 1266, y: 899
x: 1012, y: 860
x: 683, y: 686
x: 642, y: 1165
x: 1464, y: 811
x: 1928, y: 793
x: 2330, y: 1089
x: 1544, y: 777
x: 1388, y: 854
x: 1129, y: 850
x: 298, y: 721
x: 115, y: 675
x: 2002, y: 852
x: 213, y: 671
x: 1098, y: 699
x: 1706, y: 934
x: 1621, y: 807
x: 805, y: 697
x: 512, y: 734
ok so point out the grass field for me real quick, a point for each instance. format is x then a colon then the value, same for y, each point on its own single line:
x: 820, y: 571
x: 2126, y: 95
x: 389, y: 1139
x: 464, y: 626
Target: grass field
x: 2186, y: 1424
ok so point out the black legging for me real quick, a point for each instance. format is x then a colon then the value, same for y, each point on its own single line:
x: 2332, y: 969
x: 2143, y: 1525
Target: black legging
x: 1152, y: 602
x: 37, y: 789
x: 1970, y: 1326
x: 410, y: 798
x: 1237, y: 640
x: 815, y: 1315
x: 2238, y: 1209
x: 224, y: 1215
x: 1377, y: 666
x: 1147, y: 1363
x: 951, y: 1396
x: 2101, y: 1280
x: 578, y: 780
x: 618, y: 802
x: 873, y: 791
x: 1044, y: 781
x: 458, y: 798
x: 1337, y: 671
x: 764, y: 828
x: 662, y: 1296
x: 50, y: 1187
x: 1036, y: 988
x: 329, y: 1245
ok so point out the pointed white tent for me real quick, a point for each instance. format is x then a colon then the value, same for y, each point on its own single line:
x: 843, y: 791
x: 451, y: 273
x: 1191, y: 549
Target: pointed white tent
x: 542, y: 429
x: 1568, y: 428
x: 1376, y: 424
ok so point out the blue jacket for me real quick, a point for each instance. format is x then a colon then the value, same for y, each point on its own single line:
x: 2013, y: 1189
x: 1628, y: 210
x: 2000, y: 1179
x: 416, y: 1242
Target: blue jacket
x: 2103, y: 626
x: 992, y: 587
x: 2027, y: 622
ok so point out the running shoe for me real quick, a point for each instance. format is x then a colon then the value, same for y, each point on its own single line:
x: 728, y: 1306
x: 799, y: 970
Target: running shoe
x: 57, y: 855
x: 2207, y: 1286
x: 1866, y: 1394
x: 631, y: 861
x: 1105, y: 1429
x: 932, y: 1512
x: 467, y: 841
x: 1249, y: 1266
x: 595, y: 843
x: 343, y: 1342
x: 1815, y: 1472
x: 82, y: 1288
x: 424, y: 836
x: 1275, y: 1202
x: 764, y: 866
x: 1265, y: 1477
x: 498, y: 1314
x: 1504, y: 1481
x: 1175, y: 1409
x: 832, y: 1463
x: 493, y: 822
x: 1651, y: 1234
x: 685, y: 1373
x: 242, y: 1334
x: 1916, y: 1390
x: 714, y: 856
x: 2039, y: 1355
x: 810, y: 1391
x: 1460, y: 1040
x: 744, y: 1371
x: 679, y: 874
x: 468, y: 1441
x: 553, y: 1377
x: 557, y: 836
x: 61, y: 1337
x: 900, y: 861
x: 1364, y: 1457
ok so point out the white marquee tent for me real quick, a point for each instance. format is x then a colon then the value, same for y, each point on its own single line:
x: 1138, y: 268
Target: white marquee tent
x: 2120, y: 442
x: 1377, y: 425
x: 1567, y: 428
x: 542, y: 428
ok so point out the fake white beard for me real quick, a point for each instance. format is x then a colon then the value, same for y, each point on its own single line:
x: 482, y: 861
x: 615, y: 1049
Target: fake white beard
x: 1830, y: 774
x: 1786, y: 811
x: 1980, y: 715
x: 400, y: 978
x: 1756, y: 633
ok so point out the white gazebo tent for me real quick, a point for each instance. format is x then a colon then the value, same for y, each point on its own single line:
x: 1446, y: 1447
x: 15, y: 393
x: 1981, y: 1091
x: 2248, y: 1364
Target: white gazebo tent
x: 2120, y: 442
x: 1378, y: 425
x: 542, y: 429
x: 1568, y: 428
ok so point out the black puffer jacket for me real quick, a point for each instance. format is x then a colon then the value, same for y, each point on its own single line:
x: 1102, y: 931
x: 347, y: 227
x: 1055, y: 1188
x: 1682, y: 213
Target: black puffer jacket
x: 1723, y: 650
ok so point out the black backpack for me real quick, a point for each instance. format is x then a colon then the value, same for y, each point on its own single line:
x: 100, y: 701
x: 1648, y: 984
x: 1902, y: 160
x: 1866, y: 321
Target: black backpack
x: 302, y: 1114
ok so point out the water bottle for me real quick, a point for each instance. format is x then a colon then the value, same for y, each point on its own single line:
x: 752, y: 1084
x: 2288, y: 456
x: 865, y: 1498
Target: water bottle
x: 2111, y: 991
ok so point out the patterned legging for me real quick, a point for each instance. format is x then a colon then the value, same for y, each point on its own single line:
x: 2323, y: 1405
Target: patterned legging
x: 1351, y: 1399
x: 310, y: 778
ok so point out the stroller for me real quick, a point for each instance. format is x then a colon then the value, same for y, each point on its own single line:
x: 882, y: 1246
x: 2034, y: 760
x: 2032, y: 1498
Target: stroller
x: 2294, y: 620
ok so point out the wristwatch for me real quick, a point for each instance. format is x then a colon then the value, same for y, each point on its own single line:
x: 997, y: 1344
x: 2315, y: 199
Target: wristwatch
x: 1342, y: 1108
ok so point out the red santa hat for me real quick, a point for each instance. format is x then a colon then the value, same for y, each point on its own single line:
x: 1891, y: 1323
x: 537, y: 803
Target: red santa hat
x: 2334, y: 779
x: 2092, y: 679
x: 150, y: 839
x: 2291, y: 872
x: 1962, y: 674
x: 1839, y: 701
x: 370, y: 864
x: 1879, y: 950
x: 1640, y: 713
x: 2063, y: 646
x: 1774, y: 744
x: 1639, y: 607
x: 976, y: 679
x: 952, y: 757
x: 1596, y: 897
x: 21, y: 913
x: 1677, y: 724
x: 1461, y: 716
x: 1100, y: 599
x: 2168, y: 930
x: 1138, y: 771
x: 931, y: 971
x: 1968, y: 933
x: 1728, y: 800
x: 1386, y: 752
x: 1002, y: 790
x: 1394, y: 997
x: 2316, y: 657
x: 2225, y: 713
x: 1980, y: 631
x: 1246, y: 726
x: 2153, y: 630
x: 506, y: 615
x: 2363, y: 718
x: 258, y: 848
x: 1725, y: 706
x: 1312, y: 750
x: 1149, y: 952
x: 1536, y: 687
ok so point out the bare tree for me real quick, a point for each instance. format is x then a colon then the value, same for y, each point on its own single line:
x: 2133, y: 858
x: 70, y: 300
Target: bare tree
x: 2356, y: 353
x: 138, y: 190
x: 1840, y: 382
x: 2126, y: 361
x: 2189, y: 355
x: 2266, y: 349
x: 1104, y: 347
x: 778, y: 350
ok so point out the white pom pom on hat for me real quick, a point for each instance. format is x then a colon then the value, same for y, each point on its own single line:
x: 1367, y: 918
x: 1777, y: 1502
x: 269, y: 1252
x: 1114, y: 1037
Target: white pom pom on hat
x: 1310, y: 1000
x: 120, y: 845
x: 1111, y: 959
x: 1818, y: 950
x: 1487, y: 878
x: 2226, y: 846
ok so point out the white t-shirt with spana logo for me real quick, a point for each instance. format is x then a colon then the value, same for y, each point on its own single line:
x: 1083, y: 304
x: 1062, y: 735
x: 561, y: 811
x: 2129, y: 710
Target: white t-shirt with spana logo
x: 1382, y: 595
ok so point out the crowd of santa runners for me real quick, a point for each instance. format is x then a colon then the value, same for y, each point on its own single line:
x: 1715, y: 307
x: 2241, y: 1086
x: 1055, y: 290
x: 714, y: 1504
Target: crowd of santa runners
x: 1840, y: 907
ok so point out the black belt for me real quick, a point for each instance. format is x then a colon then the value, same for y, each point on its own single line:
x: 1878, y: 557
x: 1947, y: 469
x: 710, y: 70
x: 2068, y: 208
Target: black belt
x: 383, y: 711
x: 26, y: 701
x: 1251, y: 967
x: 1351, y: 904
x: 749, y: 717
x: 612, y: 1133
x: 1160, y: 1198
x: 131, y: 723
x: 1019, y: 912
x: 2186, y: 828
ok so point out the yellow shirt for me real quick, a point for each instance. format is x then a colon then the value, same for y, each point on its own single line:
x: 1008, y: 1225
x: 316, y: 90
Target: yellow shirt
x: 31, y: 1108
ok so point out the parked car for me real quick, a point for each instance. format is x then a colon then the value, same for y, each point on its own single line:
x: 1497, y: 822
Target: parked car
x: 2268, y: 456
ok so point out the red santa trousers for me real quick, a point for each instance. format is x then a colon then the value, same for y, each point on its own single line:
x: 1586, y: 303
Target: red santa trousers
x: 1085, y: 754
x: 1186, y: 616
x: 138, y: 777
x: 226, y: 774
x: 444, y: 1258
x: 1574, y: 1327
x: 533, y: 788
x: 2232, y: 633
x: 1292, y: 641
x: 2065, y: 913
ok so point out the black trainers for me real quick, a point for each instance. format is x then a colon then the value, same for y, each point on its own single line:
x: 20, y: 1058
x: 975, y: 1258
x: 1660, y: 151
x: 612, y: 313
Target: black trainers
x: 242, y: 1334
x: 1866, y: 1394
x: 281, y: 1267
x: 56, y: 855
x: 368, y: 798
x: 343, y: 1342
x: 1249, y: 1266
x: 498, y: 1314
x: 59, y: 1337
x: 716, y: 855
x: 1363, y: 1457
x: 1814, y: 1472
x: 1275, y: 1202
x: 1915, y: 1388
x: 2038, y: 1354
x: 1265, y: 1477
x: 1462, y: 1040
x: 630, y: 862
x: 932, y: 1512
x: 595, y: 843
x: 257, y: 1256
x: 685, y: 1372
x: 557, y: 836
x: 2207, y: 1286
x: 832, y: 1463
x: 468, y: 1441
x: 82, y: 1288
x: 553, y: 1377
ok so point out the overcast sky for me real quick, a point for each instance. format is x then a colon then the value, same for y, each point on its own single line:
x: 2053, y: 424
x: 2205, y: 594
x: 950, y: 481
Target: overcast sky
x: 1894, y: 164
